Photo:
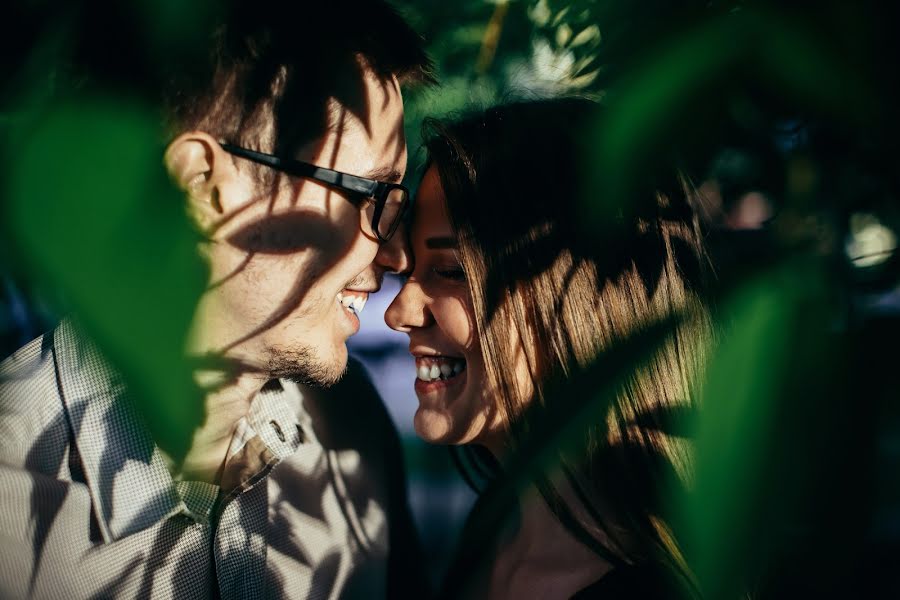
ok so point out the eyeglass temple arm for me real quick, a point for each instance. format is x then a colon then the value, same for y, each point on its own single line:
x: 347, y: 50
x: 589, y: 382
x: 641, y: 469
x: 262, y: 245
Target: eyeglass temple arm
x: 353, y: 183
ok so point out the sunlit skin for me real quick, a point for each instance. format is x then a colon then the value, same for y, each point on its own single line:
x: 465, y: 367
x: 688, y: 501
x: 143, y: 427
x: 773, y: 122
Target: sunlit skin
x: 434, y: 308
x: 278, y: 260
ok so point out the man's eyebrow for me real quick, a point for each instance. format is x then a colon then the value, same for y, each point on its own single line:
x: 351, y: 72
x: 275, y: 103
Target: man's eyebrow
x: 440, y: 243
x: 386, y: 174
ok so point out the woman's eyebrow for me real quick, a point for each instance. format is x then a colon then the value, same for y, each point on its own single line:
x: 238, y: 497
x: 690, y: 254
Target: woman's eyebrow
x: 440, y: 243
x: 386, y: 174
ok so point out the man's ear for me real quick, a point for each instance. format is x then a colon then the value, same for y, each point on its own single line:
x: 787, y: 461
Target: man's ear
x: 199, y: 166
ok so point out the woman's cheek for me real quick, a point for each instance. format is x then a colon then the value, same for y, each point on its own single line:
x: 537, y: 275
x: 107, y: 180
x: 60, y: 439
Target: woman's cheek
x: 458, y: 322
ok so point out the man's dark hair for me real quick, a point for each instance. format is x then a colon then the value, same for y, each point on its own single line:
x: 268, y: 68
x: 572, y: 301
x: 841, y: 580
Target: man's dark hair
x: 276, y: 66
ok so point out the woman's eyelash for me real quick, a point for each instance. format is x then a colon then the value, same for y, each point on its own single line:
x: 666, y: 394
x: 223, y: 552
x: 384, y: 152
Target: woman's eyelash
x: 452, y: 273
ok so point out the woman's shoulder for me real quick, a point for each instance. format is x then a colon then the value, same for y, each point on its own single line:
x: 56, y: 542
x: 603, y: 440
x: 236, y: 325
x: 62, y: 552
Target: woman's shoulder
x: 633, y: 581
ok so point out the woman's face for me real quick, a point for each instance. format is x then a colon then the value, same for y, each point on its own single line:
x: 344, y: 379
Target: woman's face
x: 456, y: 403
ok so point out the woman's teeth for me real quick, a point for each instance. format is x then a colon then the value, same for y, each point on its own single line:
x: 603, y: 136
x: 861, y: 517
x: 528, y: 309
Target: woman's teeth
x: 431, y: 369
x: 352, y: 302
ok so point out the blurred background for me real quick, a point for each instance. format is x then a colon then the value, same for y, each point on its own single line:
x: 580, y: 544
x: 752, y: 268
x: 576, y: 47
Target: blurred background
x: 783, y: 115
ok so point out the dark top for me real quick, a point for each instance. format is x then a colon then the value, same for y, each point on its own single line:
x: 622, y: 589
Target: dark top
x: 643, y: 581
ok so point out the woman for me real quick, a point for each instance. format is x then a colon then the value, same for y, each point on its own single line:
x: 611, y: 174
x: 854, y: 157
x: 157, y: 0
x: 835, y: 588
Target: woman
x: 507, y: 295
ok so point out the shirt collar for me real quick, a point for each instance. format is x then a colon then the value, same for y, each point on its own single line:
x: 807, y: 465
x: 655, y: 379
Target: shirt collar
x: 271, y: 431
x: 277, y: 415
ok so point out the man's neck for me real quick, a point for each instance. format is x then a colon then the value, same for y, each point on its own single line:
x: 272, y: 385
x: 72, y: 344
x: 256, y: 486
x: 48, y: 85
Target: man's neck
x: 225, y: 406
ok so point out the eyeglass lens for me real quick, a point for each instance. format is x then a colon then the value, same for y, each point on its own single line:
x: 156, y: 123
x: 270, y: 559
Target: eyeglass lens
x: 390, y: 215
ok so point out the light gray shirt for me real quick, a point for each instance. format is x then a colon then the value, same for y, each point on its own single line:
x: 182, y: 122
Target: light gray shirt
x: 311, y: 505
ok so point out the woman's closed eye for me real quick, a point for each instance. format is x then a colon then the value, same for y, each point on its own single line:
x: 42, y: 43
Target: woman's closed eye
x: 451, y: 273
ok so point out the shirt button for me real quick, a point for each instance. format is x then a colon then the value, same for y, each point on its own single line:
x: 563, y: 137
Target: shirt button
x: 277, y: 429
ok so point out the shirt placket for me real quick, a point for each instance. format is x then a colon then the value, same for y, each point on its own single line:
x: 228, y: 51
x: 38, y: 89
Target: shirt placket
x: 240, y: 546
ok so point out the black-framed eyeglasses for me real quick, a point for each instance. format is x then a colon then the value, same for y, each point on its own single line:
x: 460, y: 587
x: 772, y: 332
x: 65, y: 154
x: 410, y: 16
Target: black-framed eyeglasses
x: 390, y: 200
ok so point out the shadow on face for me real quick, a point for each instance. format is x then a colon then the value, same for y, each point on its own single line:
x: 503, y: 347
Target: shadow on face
x: 283, y: 253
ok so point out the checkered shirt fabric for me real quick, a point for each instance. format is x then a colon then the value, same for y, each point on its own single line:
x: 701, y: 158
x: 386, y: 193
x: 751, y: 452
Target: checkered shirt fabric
x: 89, y: 509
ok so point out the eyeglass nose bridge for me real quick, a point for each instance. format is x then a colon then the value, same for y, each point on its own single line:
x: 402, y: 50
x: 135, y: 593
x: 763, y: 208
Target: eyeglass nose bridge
x: 383, y: 195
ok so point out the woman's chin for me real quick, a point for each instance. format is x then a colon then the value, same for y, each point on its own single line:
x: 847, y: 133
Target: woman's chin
x: 435, y: 426
x: 432, y: 426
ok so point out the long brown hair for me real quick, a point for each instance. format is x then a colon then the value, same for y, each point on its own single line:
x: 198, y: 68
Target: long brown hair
x: 512, y: 176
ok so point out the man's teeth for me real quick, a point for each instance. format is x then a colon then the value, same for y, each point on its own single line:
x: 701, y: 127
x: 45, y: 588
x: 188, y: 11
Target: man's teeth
x: 431, y: 369
x: 353, y: 303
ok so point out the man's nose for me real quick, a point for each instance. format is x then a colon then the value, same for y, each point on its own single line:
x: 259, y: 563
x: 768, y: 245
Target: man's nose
x: 395, y: 255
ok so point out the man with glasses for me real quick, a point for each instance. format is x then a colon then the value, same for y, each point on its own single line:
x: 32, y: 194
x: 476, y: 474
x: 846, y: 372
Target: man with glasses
x: 290, y: 153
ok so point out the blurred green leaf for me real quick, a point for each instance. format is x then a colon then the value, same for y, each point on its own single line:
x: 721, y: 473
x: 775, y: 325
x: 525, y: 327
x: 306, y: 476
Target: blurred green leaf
x: 587, y: 35
x: 563, y: 34
x: 652, y: 112
x: 774, y: 336
x: 92, y: 213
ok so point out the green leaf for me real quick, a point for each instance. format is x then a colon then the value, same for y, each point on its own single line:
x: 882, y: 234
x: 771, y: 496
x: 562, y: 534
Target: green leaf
x: 586, y: 36
x: 774, y: 342
x: 93, y: 215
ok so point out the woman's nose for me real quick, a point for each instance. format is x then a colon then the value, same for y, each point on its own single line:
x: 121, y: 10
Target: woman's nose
x: 409, y: 309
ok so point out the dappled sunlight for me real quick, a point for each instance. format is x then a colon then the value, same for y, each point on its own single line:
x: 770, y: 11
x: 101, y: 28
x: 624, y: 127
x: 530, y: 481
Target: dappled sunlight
x: 677, y: 306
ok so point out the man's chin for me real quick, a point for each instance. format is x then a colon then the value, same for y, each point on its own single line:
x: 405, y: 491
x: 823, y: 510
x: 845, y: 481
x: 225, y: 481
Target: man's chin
x: 307, y: 367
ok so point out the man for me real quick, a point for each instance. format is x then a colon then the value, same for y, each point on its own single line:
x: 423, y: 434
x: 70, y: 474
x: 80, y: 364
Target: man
x: 290, y: 154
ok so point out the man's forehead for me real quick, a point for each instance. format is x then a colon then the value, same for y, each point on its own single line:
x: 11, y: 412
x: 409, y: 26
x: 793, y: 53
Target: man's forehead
x: 374, y: 103
x: 370, y: 135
